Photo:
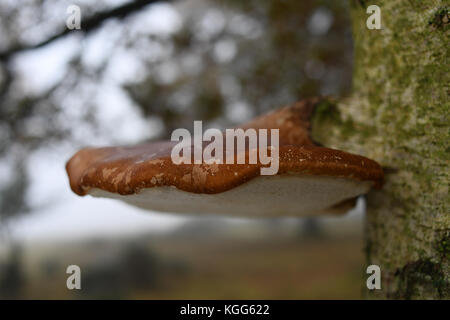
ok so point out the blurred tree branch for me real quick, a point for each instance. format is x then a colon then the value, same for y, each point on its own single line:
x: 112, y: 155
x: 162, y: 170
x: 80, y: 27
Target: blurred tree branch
x: 88, y: 24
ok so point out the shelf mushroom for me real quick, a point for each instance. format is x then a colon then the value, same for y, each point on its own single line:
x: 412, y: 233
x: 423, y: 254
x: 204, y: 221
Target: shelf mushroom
x: 310, y: 179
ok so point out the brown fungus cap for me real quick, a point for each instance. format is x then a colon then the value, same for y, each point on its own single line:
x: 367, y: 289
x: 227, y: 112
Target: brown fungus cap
x: 310, y: 179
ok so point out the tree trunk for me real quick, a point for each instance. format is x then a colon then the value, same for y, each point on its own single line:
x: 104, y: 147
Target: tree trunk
x: 398, y: 115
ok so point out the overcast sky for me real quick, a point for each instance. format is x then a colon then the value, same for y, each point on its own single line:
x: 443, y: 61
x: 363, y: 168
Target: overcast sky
x: 56, y: 211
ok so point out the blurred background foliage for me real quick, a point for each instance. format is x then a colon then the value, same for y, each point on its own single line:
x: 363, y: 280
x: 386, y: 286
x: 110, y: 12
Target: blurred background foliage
x: 221, y: 61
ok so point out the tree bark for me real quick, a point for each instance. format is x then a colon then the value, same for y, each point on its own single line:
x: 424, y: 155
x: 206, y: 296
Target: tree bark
x: 398, y: 115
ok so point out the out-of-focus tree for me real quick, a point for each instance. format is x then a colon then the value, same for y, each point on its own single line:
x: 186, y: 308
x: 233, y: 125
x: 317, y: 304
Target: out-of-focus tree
x: 398, y: 115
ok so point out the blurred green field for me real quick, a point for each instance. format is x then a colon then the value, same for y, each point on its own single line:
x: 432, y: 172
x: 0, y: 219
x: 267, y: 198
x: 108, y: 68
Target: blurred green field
x: 280, y: 269
x: 205, y: 264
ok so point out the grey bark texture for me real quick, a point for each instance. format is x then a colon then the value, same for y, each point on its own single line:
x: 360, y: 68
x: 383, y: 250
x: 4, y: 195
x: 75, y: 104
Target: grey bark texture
x: 398, y: 115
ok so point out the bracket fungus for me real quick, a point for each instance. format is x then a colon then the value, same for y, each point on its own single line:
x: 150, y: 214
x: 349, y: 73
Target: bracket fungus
x: 310, y: 179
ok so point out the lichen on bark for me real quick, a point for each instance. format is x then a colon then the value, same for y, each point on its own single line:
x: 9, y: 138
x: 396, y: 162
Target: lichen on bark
x: 398, y: 115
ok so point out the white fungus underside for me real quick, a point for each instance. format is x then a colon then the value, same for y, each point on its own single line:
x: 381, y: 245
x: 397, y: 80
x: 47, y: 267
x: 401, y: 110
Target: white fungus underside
x: 263, y: 196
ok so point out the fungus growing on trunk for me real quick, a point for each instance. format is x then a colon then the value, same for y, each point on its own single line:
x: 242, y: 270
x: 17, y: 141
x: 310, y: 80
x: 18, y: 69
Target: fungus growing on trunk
x: 310, y: 179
